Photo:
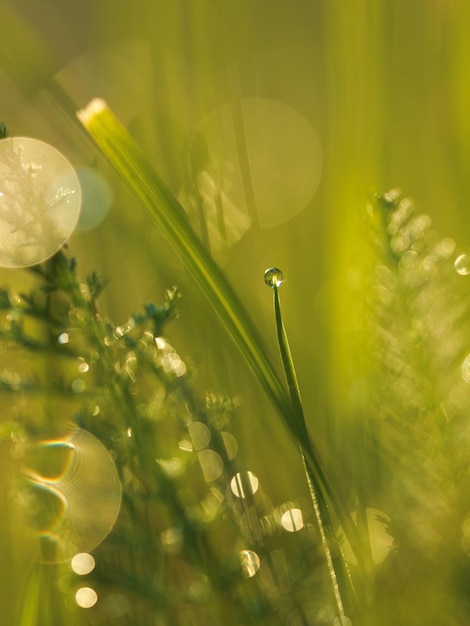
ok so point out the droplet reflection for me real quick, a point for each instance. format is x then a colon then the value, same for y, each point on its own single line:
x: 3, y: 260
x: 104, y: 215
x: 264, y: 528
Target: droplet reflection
x: 273, y: 277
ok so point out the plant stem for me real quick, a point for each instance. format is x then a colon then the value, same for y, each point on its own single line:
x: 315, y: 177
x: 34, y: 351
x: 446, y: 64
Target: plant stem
x: 337, y: 568
x: 135, y: 169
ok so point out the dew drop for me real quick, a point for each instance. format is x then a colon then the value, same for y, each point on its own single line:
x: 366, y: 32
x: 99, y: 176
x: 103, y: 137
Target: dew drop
x: 250, y: 563
x: 273, y: 277
x: 462, y: 265
x: 63, y: 338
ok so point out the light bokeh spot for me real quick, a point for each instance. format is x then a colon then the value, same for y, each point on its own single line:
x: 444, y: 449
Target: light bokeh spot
x: 462, y: 265
x: 86, y: 597
x: 255, y: 162
x: 243, y: 484
x: 200, y: 435
x: 96, y: 198
x: 292, y: 520
x: 380, y: 541
x: 74, y: 494
x: 83, y: 563
x: 250, y: 563
x: 40, y: 200
x: 212, y: 465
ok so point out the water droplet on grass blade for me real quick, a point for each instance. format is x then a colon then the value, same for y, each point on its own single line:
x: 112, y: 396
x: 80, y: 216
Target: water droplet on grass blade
x: 273, y: 277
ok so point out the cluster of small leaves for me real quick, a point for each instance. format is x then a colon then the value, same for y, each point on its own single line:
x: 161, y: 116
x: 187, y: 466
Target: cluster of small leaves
x: 174, y: 553
x: 417, y: 307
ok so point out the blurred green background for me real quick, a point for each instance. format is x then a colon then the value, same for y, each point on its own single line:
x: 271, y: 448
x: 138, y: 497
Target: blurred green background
x: 286, y: 114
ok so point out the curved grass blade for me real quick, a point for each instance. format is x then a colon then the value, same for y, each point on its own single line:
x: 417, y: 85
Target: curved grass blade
x: 135, y: 169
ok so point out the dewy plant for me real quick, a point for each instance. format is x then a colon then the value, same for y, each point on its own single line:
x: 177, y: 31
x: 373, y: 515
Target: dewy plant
x: 142, y: 507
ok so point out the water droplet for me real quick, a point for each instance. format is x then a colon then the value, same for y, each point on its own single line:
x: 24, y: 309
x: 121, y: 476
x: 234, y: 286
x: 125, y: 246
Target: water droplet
x: 273, y: 277
x: 86, y: 597
x: 40, y: 202
x: 250, y: 563
x: 292, y: 520
x: 83, y: 367
x: 83, y: 563
x: 241, y: 484
x: 462, y: 265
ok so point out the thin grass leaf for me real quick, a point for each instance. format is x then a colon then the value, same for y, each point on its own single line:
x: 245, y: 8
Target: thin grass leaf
x: 134, y: 168
x: 343, y: 590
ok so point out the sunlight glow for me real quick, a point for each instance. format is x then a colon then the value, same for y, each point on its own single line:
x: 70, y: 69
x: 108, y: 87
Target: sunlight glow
x: 86, y: 597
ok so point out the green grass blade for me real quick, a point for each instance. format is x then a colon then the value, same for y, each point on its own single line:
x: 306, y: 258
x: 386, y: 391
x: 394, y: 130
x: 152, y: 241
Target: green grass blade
x: 135, y: 169
x: 120, y: 149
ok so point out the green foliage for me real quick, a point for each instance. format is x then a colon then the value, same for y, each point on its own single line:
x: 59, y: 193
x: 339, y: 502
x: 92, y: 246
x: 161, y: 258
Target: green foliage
x: 417, y: 307
x: 186, y: 547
